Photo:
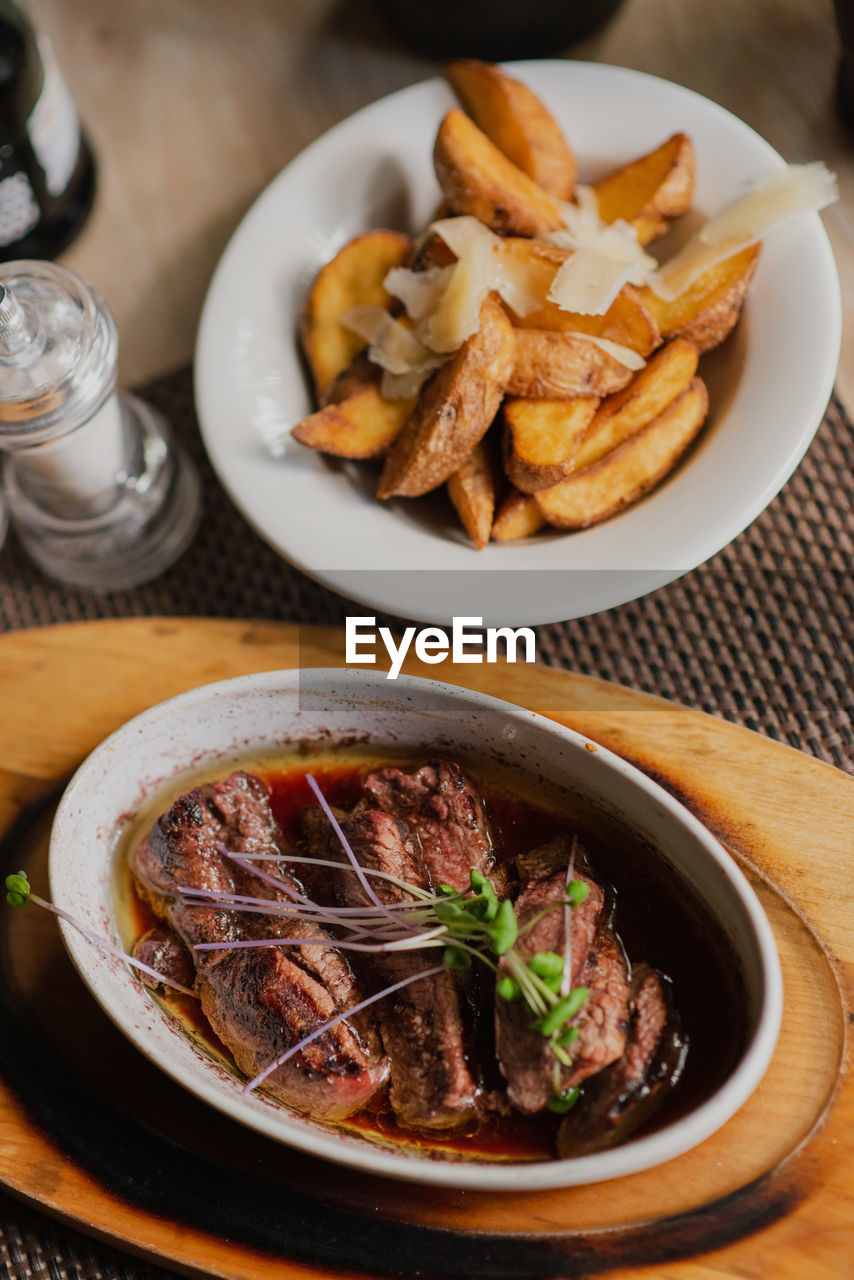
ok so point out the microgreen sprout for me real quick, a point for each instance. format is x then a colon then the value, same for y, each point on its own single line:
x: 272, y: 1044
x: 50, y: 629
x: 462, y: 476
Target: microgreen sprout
x: 19, y: 892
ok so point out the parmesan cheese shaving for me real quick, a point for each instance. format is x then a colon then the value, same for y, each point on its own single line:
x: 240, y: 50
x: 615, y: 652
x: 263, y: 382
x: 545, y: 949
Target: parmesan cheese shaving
x: 461, y: 233
x: 623, y: 355
x: 393, y: 347
x: 588, y: 282
x: 771, y: 203
x: 457, y: 316
x: 419, y: 291
x: 607, y: 256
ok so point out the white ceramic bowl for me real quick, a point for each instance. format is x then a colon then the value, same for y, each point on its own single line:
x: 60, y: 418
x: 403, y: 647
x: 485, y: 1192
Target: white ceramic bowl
x: 769, y: 384
x: 211, y: 724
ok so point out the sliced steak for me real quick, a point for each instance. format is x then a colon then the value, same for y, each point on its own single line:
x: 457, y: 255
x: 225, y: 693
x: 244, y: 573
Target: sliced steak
x: 597, y: 961
x: 422, y: 1026
x: 621, y: 1098
x: 163, y: 950
x: 259, y: 1002
x: 442, y: 809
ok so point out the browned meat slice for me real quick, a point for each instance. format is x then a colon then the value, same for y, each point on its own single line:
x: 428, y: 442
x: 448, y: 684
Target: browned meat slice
x: 621, y: 1098
x: 422, y: 1026
x: 597, y: 962
x: 163, y: 950
x: 442, y: 809
x: 262, y: 1001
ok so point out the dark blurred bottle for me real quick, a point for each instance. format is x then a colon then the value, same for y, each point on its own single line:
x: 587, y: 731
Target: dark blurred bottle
x: 845, y: 22
x: 47, y: 174
x: 496, y: 30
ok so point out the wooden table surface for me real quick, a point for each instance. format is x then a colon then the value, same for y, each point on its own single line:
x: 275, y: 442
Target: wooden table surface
x: 194, y: 105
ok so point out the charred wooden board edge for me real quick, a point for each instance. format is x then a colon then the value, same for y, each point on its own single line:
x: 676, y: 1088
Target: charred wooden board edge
x: 162, y: 1178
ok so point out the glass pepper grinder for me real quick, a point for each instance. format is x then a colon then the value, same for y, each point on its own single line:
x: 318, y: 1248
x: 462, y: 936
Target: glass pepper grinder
x: 98, y: 492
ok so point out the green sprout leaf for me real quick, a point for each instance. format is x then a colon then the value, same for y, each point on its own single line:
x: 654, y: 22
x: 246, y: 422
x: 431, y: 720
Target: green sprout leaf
x: 485, y: 906
x: 508, y: 988
x: 568, y: 1036
x: 456, y: 958
x: 563, y: 1102
x: 562, y: 1011
x: 577, y: 892
x: 18, y: 889
x: 546, y: 964
x: 504, y: 930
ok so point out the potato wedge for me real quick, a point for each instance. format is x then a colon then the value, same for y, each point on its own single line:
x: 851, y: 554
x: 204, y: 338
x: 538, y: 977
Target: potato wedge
x: 560, y: 366
x: 518, y: 517
x: 628, y: 472
x: 472, y: 491
x: 363, y: 425
x: 477, y: 178
x: 454, y: 410
x: 650, y: 391
x: 708, y: 311
x: 515, y: 119
x: 541, y: 439
x: 354, y: 277
x: 650, y: 190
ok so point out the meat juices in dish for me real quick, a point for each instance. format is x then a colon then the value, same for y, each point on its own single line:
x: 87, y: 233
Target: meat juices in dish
x: 421, y: 836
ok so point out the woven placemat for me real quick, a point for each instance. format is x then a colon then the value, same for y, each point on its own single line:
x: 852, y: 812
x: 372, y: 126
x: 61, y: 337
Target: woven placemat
x: 762, y: 635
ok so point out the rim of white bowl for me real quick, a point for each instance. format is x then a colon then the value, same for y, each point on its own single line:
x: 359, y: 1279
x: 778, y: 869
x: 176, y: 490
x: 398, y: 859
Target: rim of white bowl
x: 632, y: 1157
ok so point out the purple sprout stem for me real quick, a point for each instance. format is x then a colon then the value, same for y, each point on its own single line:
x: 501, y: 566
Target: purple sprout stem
x: 106, y: 945
x: 345, y: 844
x: 410, y: 942
x: 566, y: 977
x: 333, y: 1022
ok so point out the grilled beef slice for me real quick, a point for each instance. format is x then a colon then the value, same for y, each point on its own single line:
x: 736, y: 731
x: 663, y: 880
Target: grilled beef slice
x: 163, y: 950
x: 597, y: 961
x: 621, y: 1098
x: 258, y: 1001
x: 422, y: 1025
x: 445, y: 814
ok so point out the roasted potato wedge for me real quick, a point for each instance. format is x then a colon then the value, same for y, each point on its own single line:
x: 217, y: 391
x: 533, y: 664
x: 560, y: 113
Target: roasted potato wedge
x: 648, y: 394
x: 454, y: 410
x: 708, y: 311
x: 541, y: 439
x: 363, y: 425
x: 563, y: 365
x: 518, y: 517
x: 477, y: 178
x: 650, y: 190
x: 472, y: 491
x: 629, y: 471
x: 515, y: 119
x: 354, y: 277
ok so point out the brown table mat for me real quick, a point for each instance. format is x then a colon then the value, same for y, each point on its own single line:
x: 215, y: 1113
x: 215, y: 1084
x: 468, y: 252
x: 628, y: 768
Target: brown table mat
x: 761, y: 635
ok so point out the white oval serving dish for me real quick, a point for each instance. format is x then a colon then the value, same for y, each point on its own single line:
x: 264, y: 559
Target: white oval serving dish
x: 264, y: 712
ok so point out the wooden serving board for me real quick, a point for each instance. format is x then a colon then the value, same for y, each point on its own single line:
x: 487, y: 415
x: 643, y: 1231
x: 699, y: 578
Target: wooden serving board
x: 93, y: 1133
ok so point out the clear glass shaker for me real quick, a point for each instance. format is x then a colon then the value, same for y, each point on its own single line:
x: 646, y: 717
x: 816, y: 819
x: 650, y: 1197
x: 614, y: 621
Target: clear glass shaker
x: 98, y: 492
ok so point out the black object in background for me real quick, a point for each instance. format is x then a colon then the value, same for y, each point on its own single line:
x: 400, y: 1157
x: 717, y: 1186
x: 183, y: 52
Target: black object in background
x: 845, y: 22
x: 47, y: 173
x: 495, y: 29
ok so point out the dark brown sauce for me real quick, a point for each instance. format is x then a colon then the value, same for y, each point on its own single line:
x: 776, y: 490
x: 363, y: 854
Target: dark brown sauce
x: 657, y: 916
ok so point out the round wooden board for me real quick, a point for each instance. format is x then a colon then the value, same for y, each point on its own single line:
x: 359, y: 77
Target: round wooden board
x: 95, y: 1135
